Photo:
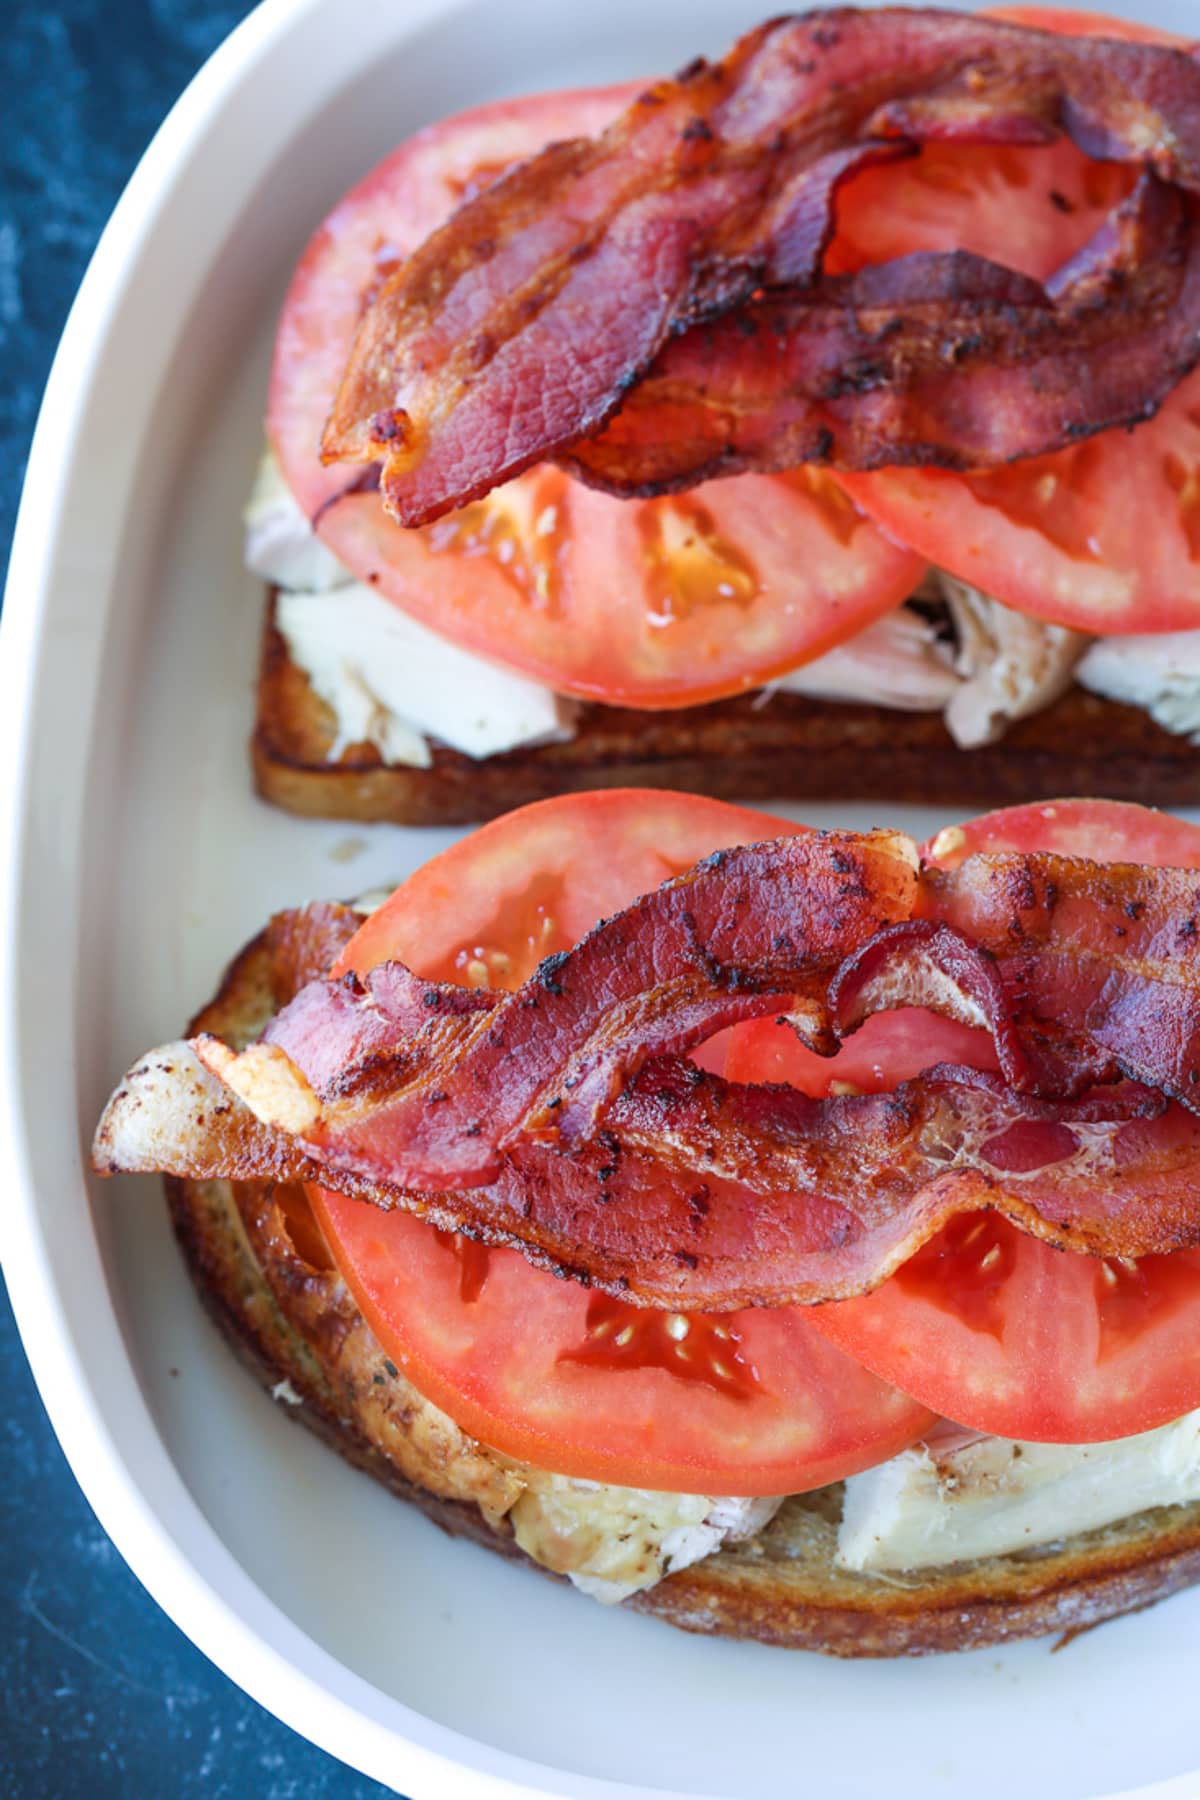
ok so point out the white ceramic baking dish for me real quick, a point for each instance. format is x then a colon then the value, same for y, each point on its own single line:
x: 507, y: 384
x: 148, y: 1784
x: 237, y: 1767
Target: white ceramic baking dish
x: 135, y: 860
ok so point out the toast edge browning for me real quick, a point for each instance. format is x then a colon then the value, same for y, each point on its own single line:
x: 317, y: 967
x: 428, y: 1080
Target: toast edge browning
x: 784, y: 748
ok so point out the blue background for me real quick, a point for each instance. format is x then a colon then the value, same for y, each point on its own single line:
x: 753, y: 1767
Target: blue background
x: 101, y: 1695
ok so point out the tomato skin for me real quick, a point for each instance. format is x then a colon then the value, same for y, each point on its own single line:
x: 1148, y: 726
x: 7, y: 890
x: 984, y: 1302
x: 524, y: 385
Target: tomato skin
x: 791, y: 1411
x: 998, y: 1330
x: 1105, y: 536
x: 1056, y: 1357
x: 649, y: 603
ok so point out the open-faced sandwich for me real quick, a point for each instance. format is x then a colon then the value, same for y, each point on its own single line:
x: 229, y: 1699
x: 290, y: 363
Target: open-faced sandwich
x: 792, y: 1233
x: 821, y: 421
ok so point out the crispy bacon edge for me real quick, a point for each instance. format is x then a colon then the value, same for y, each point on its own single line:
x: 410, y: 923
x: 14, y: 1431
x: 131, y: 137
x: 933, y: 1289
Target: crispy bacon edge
x: 519, y: 327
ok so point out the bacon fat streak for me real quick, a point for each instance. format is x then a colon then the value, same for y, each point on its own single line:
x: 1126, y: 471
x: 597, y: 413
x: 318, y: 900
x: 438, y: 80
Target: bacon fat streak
x: 565, y: 1118
x: 519, y: 328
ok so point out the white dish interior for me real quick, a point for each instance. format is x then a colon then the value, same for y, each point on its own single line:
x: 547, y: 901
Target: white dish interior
x: 129, y: 646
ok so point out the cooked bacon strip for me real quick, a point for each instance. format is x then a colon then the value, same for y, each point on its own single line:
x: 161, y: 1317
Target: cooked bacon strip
x: 682, y: 1189
x: 303, y: 943
x: 332, y: 1027
x: 754, y: 930
x: 1107, y: 954
x: 517, y: 328
x: 869, y: 1178
x: 936, y: 360
x: 924, y: 963
x: 920, y: 962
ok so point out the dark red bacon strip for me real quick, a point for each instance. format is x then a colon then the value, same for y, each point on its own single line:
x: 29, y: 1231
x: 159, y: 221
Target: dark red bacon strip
x: 869, y: 1178
x: 920, y: 962
x: 520, y: 325
x: 933, y: 360
x: 681, y: 1189
x: 752, y: 930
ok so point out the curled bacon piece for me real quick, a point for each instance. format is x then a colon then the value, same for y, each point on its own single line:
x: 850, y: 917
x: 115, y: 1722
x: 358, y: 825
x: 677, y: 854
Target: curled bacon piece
x: 936, y: 360
x: 923, y: 963
x: 520, y: 325
x: 920, y: 962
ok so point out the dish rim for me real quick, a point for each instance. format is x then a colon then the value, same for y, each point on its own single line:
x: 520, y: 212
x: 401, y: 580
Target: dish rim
x: 413, y: 1752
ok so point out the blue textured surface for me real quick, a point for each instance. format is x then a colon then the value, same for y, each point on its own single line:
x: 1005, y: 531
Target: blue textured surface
x: 101, y: 1696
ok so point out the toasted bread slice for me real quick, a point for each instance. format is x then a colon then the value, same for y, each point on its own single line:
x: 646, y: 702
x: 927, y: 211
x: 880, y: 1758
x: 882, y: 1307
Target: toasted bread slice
x: 785, y: 748
x: 272, y: 1291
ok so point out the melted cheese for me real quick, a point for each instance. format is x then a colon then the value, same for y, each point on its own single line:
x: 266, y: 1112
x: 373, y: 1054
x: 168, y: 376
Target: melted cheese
x: 931, y: 1506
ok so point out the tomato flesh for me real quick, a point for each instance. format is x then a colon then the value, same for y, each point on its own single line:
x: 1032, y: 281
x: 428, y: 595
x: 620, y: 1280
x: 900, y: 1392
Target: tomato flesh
x: 994, y: 1328
x: 754, y: 1402
x: 749, y: 1403
x: 648, y: 603
x: 1104, y: 536
x: 1102, y: 830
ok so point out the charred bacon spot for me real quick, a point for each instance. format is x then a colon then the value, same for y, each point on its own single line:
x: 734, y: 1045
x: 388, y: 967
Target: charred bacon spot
x: 549, y: 970
x: 387, y: 425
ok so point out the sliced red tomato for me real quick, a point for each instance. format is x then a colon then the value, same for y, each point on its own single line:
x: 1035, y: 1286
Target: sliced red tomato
x: 650, y: 603
x: 989, y: 1326
x: 1103, y: 830
x: 753, y: 1402
x: 1105, y: 536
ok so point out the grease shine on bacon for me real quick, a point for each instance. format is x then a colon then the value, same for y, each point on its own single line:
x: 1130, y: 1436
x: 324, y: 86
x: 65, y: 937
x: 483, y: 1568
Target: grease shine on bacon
x: 521, y: 325
x: 564, y: 1119
x: 935, y: 359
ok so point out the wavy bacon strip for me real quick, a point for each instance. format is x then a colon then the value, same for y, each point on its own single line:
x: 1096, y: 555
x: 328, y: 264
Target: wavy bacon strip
x: 681, y: 1189
x: 869, y: 1178
x: 934, y: 360
x: 924, y: 963
x: 519, y: 326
